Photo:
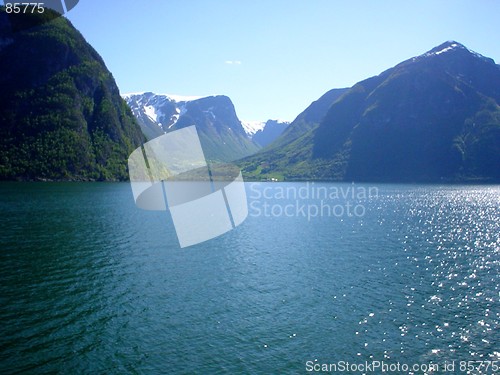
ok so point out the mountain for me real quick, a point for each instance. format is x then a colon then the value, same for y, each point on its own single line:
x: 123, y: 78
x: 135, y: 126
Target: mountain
x: 61, y: 115
x: 271, y: 130
x: 272, y: 160
x: 156, y: 112
x: 434, y: 117
x: 222, y: 135
x: 310, y: 118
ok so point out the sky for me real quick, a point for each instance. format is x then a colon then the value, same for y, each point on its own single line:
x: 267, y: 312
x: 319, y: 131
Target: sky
x: 273, y: 57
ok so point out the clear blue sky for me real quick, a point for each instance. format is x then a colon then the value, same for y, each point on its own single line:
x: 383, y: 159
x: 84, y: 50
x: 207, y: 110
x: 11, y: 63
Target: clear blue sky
x: 273, y: 57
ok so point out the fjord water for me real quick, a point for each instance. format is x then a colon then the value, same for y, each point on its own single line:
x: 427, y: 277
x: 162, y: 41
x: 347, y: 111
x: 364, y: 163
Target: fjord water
x: 91, y: 284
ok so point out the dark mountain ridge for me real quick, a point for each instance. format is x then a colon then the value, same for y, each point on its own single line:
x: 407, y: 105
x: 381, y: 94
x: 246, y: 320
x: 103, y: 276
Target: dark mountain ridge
x: 434, y: 117
x: 61, y: 115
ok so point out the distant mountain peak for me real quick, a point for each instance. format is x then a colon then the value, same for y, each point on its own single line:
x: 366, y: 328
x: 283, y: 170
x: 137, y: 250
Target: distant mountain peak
x: 453, y: 46
x: 222, y: 136
x: 447, y: 46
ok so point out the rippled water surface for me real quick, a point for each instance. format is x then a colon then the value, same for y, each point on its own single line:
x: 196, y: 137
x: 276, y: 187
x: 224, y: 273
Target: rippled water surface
x: 91, y: 284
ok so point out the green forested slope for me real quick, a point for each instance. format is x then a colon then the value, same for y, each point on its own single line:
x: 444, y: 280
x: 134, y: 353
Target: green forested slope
x: 61, y: 115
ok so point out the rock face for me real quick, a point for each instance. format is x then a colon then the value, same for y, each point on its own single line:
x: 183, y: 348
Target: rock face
x: 435, y: 117
x: 271, y: 130
x: 221, y: 133
x: 61, y: 115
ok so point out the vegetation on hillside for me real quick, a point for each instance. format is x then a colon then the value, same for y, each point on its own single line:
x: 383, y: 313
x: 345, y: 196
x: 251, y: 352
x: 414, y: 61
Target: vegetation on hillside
x: 61, y: 116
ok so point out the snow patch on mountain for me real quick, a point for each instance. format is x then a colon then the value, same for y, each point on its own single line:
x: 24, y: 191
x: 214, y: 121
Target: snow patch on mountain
x: 252, y: 127
x: 150, y: 111
x: 446, y: 49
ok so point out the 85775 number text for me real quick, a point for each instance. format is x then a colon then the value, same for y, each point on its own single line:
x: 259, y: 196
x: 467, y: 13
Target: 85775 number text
x: 24, y: 8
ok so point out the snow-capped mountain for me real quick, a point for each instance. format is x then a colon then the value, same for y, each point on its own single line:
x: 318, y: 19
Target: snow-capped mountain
x: 156, y: 113
x: 221, y: 133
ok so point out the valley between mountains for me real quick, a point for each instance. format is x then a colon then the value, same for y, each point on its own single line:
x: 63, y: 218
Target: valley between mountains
x: 432, y: 118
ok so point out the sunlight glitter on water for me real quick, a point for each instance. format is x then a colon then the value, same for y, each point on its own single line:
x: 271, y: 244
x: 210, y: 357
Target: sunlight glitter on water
x: 96, y: 285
